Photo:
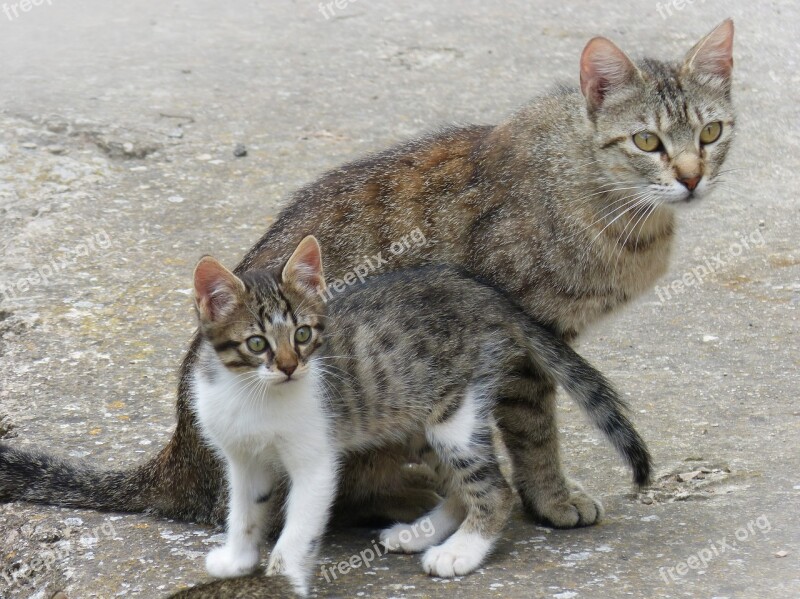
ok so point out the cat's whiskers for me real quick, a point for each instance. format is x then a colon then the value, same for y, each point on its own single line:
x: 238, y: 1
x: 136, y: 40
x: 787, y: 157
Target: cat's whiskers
x: 653, y: 208
x: 639, y: 222
x: 638, y: 201
x: 340, y: 374
x: 633, y: 202
x: 329, y: 386
x: 731, y: 170
x: 607, y: 211
x: 250, y: 380
x: 244, y: 391
x: 726, y: 185
x: 610, y: 188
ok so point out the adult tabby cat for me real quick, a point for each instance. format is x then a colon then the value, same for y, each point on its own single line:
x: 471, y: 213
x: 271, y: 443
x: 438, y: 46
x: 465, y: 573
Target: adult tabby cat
x: 567, y: 206
x: 288, y: 384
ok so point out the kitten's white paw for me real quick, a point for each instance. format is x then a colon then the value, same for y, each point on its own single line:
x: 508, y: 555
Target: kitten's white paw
x: 460, y: 554
x: 407, y: 538
x: 292, y: 569
x: 224, y: 562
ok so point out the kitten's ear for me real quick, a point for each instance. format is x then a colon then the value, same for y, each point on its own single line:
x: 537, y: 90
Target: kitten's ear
x: 713, y: 55
x: 216, y: 289
x: 304, y: 268
x: 604, y: 70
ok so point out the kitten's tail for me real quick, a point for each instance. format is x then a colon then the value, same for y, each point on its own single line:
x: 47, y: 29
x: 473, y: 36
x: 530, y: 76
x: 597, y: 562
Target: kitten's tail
x: 584, y: 383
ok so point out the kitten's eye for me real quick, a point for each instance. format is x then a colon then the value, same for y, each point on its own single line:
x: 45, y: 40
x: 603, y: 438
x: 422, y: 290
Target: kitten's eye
x: 711, y: 133
x: 303, y: 334
x: 646, y: 141
x: 257, y: 344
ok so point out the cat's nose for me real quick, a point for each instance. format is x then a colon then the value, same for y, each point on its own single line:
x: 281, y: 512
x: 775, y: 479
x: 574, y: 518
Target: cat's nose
x: 287, y: 369
x: 690, y: 183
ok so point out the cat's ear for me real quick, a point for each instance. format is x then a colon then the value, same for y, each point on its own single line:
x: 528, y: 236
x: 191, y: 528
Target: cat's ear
x: 216, y: 289
x: 304, y: 268
x: 713, y: 55
x: 604, y: 69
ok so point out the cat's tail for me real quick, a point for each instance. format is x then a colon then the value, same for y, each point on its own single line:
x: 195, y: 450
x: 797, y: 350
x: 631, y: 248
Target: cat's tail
x: 159, y: 485
x: 41, y: 478
x: 182, y: 481
x: 584, y: 383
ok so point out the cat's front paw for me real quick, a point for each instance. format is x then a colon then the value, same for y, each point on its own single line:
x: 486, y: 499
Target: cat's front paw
x: 576, y: 510
x: 282, y: 565
x: 225, y: 562
x: 460, y: 554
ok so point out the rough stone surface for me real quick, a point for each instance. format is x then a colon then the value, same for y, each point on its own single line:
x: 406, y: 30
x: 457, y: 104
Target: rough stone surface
x: 116, y: 174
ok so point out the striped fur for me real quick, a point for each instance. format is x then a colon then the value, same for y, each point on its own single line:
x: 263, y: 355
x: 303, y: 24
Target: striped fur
x: 535, y: 205
x: 416, y: 354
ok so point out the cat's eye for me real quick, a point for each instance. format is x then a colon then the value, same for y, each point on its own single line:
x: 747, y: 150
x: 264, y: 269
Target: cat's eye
x: 302, y: 334
x: 257, y: 344
x: 646, y: 141
x: 711, y: 133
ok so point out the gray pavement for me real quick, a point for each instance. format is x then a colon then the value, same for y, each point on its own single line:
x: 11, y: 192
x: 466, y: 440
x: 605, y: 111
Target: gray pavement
x: 117, y: 128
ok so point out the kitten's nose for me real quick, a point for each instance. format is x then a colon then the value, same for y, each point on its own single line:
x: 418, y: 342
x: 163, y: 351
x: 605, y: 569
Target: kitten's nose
x: 690, y: 182
x: 287, y: 369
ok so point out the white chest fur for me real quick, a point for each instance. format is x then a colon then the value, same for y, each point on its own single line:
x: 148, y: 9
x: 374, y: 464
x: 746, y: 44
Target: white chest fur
x: 243, y: 415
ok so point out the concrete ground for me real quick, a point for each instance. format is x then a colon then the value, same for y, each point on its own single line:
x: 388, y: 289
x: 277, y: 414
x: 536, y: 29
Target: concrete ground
x: 117, y: 171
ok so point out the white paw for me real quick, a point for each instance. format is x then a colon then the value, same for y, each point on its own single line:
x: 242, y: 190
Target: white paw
x: 406, y: 538
x: 224, y: 562
x: 283, y: 565
x: 460, y: 554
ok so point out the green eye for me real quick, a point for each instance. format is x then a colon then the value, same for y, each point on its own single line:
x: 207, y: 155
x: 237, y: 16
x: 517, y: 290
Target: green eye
x: 303, y: 334
x: 257, y: 344
x: 646, y: 141
x: 711, y: 132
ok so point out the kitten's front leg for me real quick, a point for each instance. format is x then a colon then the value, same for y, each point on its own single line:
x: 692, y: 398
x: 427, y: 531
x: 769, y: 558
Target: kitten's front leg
x: 250, y: 484
x: 313, y: 489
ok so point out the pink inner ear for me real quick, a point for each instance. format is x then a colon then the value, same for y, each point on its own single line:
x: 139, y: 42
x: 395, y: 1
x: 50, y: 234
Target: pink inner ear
x: 305, y: 266
x: 604, y: 68
x: 215, y: 290
x: 714, y: 54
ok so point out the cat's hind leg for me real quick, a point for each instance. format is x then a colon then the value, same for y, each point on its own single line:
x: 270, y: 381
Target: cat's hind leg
x: 526, y: 416
x: 465, y: 446
x: 427, y: 531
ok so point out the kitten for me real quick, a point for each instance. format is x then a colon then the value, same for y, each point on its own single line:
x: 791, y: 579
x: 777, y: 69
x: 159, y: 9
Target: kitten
x: 286, y: 383
x: 567, y: 206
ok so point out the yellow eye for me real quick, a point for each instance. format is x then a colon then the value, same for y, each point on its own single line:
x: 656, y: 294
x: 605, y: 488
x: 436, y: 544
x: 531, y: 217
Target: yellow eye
x: 646, y: 141
x: 257, y: 344
x: 711, y: 132
x: 303, y: 334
